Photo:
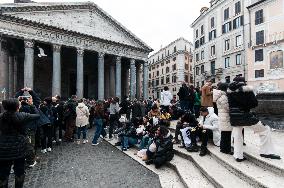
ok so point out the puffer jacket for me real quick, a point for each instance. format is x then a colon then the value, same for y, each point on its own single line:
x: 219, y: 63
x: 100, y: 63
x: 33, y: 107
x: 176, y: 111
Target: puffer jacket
x: 82, y: 112
x: 13, y: 142
x: 166, y: 98
x: 221, y: 99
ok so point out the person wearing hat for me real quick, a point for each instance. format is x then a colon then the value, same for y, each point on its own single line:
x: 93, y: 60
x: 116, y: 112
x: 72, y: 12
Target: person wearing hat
x: 241, y: 100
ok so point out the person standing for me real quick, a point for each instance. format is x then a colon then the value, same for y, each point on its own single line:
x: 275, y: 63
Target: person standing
x: 241, y: 100
x: 113, y: 116
x: 166, y: 98
x: 183, y: 94
x: 207, y: 94
x: 82, y: 120
x: 98, y: 121
x: 197, y: 102
x: 70, y: 118
x: 13, y: 142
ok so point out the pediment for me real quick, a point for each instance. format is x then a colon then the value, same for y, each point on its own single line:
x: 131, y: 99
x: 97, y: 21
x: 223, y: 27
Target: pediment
x: 90, y: 20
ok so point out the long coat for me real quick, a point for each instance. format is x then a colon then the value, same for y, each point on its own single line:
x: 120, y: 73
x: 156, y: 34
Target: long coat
x: 82, y: 112
x: 221, y: 99
x: 206, y: 96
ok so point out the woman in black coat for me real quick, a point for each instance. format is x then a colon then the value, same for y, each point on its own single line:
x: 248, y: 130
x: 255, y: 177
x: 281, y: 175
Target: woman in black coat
x: 13, y: 142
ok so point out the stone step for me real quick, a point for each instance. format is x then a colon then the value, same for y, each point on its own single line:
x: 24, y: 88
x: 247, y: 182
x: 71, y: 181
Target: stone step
x: 189, y: 173
x: 215, y: 172
x: 247, y: 170
x: 168, y: 177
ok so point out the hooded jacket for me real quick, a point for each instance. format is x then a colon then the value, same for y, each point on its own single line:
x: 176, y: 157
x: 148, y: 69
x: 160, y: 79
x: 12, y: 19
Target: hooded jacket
x: 82, y: 112
x: 166, y: 98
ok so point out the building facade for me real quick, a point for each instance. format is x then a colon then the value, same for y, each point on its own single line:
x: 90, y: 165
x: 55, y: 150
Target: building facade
x: 265, y: 51
x: 68, y: 48
x: 219, y: 42
x: 170, y: 66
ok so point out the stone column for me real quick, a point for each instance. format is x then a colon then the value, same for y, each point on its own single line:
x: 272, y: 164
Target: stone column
x: 127, y: 82
x: 138, y: 94
x: 11, y: 76
x: 29, y: 64
x: 118, y: 77
x: 107, y: 80
x: 80, y: 73
x: 5, y: 69
x: 145, y: 80
x: 56, y: 73
x: 112, y: 81
x: 101, y: 77
x: 15, y: 73
x: 132, y: 79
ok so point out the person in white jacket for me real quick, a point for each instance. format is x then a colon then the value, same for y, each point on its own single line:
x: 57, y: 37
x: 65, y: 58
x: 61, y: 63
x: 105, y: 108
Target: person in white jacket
x: 221, y: 99
x: 82, y: 120
x: 166, y: 98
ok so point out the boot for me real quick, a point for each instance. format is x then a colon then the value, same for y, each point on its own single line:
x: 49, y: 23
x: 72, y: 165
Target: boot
x: 203, y: 151
x: 19, y: 181
x: 4, y: 183
x: 192, y: 148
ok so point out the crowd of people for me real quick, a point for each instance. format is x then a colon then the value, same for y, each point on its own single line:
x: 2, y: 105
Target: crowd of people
x: 29, y: 124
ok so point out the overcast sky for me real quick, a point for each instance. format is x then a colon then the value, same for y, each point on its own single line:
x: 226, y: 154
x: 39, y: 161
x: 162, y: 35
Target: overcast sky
x: 156, y: 22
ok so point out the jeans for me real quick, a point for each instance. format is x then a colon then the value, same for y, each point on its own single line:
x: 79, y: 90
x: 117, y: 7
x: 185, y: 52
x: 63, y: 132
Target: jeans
x: 128, y: 141
x: 99, y: 128
x: 46, y: 135
x: 197, y: 111
x: 145, y: 142
x: 184, y: 105
x: 83, y: 130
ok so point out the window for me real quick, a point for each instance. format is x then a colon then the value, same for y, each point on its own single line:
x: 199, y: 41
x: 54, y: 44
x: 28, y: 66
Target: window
x: 197, y: 57
x: 258, y: 17
x: 168, y: 52
x: 227, y: 62
x: 174, y: 58
x: 162, y: 64
x: 202, y: 30
x: 237, y: 7
x: 212, y: 34
x: 157, y: 66
x: 153, y: 83
x: 162, y: 71
x: 202, y: 69
x: 186, y: 66
x: 226, y: 27
x: 196, y: 33
x: 150, y: 75
x: 191, y: 79
x: 167, y: 62
x: 186, y: 78
x: 196, y: 44
x: 238, y: 22
x: 174, y: 67
x: 157, y: 82
x: 168, y: 79
x: 174, y: 78
x: 162, y: 56
x: 258, y: 56
x: 149, y: 84
x: 175, y: 49
x: 202, y: 40
x: 190, y: 68
x: 212, y: 22
x: 167, y: 69
x: 259, y: 37
x: 197, y: 70
x: 212, y: 67
x: 228, y: 79
x: 158, y: 58
x: 162, y: 80
x: 227, y: 44
x: 259, y: 73
x: 202, y: 55
x: 212, y: 50
x: 226, y: 14
x: 157, y: 73
x: 238, y: 59
x: 239, y: 40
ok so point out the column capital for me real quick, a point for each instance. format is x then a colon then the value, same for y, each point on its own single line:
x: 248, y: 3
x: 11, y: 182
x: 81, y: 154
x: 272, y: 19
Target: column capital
x: 80, y: 52
x: 56, y: 48
x: 29, y: 44
x: 118, y: 58
x: 101, y: 54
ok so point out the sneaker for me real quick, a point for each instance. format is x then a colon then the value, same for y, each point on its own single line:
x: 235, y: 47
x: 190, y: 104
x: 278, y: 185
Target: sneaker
x: 85, y: 141
x: 109, y: 139
x: 78, y: 142
x: 95, y: 144
x: 117, y: 144
x: 32, y: 165
x: 203, y: 151
x: 240, y: 160
x: 53, y: 141
x: 59, y: 140
x: 43, y: 151
x: 124, y: 149
x: 49, y: 149
x: 192, y: 149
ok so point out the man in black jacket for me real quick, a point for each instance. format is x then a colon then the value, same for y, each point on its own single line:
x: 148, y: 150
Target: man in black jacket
x: 70, y: 118
x: 183, y: 94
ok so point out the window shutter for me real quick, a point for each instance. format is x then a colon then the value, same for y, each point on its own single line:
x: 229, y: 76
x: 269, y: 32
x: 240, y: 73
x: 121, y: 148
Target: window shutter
x: 223, y: 28
x: 209, y: 35
x: 214, y: 33
x: 234, y: 24
x: 261, y: 16
x: 242, y: 20
x: 230, y: 26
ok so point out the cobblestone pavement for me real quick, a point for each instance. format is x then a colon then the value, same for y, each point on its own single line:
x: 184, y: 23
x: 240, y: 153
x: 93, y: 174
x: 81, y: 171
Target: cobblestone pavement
x: 74, y: 166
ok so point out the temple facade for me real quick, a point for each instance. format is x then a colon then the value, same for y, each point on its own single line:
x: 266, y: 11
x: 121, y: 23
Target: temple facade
x: 69, y: 48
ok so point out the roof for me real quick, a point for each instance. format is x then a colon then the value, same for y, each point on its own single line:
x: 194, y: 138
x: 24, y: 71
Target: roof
x: 26, y: 12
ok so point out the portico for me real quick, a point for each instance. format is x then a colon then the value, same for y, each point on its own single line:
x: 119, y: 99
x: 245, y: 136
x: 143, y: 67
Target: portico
x: 76, y: 62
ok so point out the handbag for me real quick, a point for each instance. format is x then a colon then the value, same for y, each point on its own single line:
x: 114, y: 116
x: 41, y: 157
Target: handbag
x: 239, y: 118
